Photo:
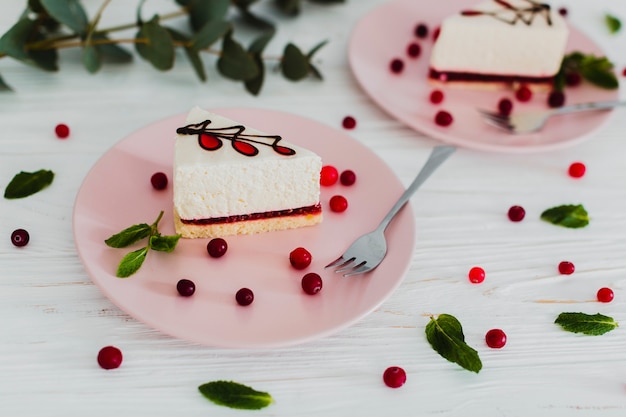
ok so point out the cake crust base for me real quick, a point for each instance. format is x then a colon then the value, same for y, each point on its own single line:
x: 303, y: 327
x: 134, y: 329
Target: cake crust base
x: 245, y: 227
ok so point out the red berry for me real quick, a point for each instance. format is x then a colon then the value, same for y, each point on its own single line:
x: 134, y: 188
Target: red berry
x: 577, y: 170
x: 516, y: 213
x: 217, y: 247
x: 186, y: 287
x: 396, y: 65
x: 20, y: 237
x: 443, y: 118
x: 338, y: 203
x: 244, y: 297
x: 110, y: 357
x: 159, y: 181
x: 349, y: 122
x: 421, y: 31
x: 505, y: 106
x: 329, y: 175
x: 62, y: 131
x: 495, y: 338
x: 476, y: 275
x: 436, y: 96
x: 414, y: 50
x: 312, y: 283
x: 624, y: 72
x: 572, y: 79
x: 300, y: 258
x: 523, y: 94
x: 605, y: 295
x: 566, y: 268
x: 563, y: 11
x: 556, y: 99
x: 394, y: 377
x: 347, y: 177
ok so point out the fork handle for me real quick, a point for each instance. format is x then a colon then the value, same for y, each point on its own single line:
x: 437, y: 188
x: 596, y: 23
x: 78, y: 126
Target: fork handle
x: 438, y: 155
x: 597, y: 105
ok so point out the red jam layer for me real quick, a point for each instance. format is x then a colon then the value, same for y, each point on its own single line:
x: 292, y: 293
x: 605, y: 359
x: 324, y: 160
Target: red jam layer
x: 487, y: 78
x: 316, y: 209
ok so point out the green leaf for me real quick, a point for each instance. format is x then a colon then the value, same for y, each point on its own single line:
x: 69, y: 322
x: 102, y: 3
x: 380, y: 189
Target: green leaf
x: 129, y: 236
x: 612, y: 23
x: 255, y: 84
x: 290, y: 7
x: 131, y: 262
x: 235, y: 62
x: 202, y: 11
x: 28, y: 183
x: 596, y: 70
x: 209, y: 34
x: 110, y: 51
x: 164, y: 243
x: 594, y: 325
x: 567, y: 215
x: 445, y: 335
x: 256, y: 21
x: 316, y: 48
x: 327, y: 1
x: 91, y: 59
x: 13, y: 42
x: 4, y: 86
x: 159, y: 49
x: 234, y: 395
x: 68, y: 12
x: 192, y: 54
x: 294, y: 65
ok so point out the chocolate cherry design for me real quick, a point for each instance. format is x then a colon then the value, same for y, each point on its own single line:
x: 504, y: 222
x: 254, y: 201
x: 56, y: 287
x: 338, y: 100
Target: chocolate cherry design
x: 525, y: 14
x: 211, y: 139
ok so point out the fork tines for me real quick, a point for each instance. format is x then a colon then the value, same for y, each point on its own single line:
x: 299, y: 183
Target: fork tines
x: 348, y: 266
x: 497, y: 119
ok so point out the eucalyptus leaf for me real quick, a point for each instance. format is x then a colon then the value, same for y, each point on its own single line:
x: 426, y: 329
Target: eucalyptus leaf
x: 13, y: 42
x: 203, y: 11
x: 35, y: 6
x: 91, y: 59
x: 110, y: 51
x: 589, y: 324
x: 155, y: 44
x: 235, y: 62
x: 294, y: 65
x: 162, y: 243
x: 327, y: 1
x: 256, y: 21
x: 290, y: 7
x: 192, y: 54
x: 4, y: 86
x: 256, y: 48
x: 130, y: 235
x: 445, y: 335
x: 45, y: 59
x: 25, y: 184
x: 68, y: 12
x: 131, y: 263
x: 209, y: 34
x: 235, y: 395
x: 316, y: 48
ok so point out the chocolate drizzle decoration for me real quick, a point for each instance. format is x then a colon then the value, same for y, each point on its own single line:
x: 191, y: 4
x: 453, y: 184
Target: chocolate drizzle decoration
x: 525, y: 14
x: 211, y: 139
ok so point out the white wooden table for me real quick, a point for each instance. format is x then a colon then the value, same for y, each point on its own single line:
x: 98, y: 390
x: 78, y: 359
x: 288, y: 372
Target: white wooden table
x: 53, y: 320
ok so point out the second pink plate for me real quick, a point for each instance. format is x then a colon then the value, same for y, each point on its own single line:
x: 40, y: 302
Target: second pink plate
x: 385, y: 33
x: 117, y: 193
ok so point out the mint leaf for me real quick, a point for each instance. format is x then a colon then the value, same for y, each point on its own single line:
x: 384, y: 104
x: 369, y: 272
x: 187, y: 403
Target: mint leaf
x: 131, y: 262
x: 612, y: 23
x: 567, y: 215
x: 596, y: 70
x: 164, y: 243
x: 594, y: 325
x: 445, y: 335
x: 234, y: 395
x: 28, y: 183
x: 129, y: 236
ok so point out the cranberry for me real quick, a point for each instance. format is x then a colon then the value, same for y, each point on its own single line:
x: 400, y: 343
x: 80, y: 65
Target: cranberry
x: 436, y: 96
x: 573, y: 79
x: 20, y: 237
x: 495, y: 338
x: 349, y: 122
x: 396, y: 65
x: 159, y: 181
x: 244, y: 297
x: 110, y: 357
x: 421, y: 31
x: 523, y: 94
x: 476, y: 275
x: 338, y: 203
x: 505, y: 106
x: 300, y: 258
x: 312, y: 283
x: 624, y: 72
x: 577, y: 170
x: 186, y: 287
x: 443, y: 118
x: 516, y: 213
x: 605, y: 295
x: 329, y: 175
x: 566, y: 268
x: 414, y: 50
x: 217, y: 247
x: 62, y: 131
x: 556, y: 99
x: 394, y: 377
x: 347, y: 177
x: 563, y: 11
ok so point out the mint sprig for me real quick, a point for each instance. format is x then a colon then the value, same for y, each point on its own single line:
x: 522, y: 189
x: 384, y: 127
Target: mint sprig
x: 132, y: 261
x: 28, y: 183
x: 596, y: 70
x: 568, y: 215
x: 590, y: 324
x: 235, y: 395
x: 445, y: 335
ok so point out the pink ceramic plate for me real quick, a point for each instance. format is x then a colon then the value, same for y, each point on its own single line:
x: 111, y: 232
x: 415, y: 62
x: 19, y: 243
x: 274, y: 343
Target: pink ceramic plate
x: 385, y: 33
x: 117, y: 193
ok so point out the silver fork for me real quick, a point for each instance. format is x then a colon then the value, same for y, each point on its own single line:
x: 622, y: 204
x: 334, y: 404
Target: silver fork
x: 368, y: 251
x: 531, y: 121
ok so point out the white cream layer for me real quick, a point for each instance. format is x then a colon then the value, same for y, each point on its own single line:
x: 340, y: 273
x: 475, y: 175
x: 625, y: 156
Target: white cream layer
x: 221, y: 183
x: 485, y: 45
